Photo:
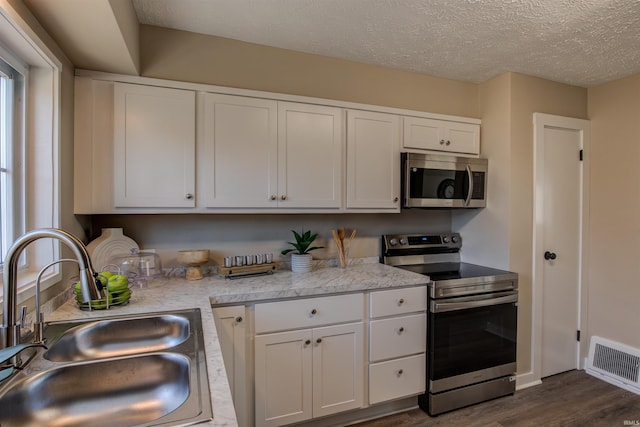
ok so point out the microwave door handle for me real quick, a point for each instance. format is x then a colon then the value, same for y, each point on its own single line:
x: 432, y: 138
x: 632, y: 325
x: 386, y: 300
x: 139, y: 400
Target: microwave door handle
x: 470, y: 190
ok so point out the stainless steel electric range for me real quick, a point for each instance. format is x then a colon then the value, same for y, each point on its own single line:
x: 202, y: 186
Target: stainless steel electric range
x: 471, y: 329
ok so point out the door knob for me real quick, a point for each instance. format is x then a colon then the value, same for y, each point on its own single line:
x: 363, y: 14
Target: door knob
x: 549, y: 255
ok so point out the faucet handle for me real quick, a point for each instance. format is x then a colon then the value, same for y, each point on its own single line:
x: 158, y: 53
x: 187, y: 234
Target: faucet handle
x: 23, y: 315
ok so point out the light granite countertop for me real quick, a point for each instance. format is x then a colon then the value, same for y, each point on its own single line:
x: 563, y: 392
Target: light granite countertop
x: 166, y: 294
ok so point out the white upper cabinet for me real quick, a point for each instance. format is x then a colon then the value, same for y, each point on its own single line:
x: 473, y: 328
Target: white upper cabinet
x: 373, y: 161
x: 261, y: 153
x: 239, y: 164
x: 151, y: 146
x: 310, y: 153
x: 441, y: 135
x: 154, y: 147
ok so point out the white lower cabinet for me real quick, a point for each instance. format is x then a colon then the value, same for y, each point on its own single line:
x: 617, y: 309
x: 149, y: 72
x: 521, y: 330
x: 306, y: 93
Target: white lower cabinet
x: 312, y: 372
x: 397, y: 343
x: 233, y: 329
x: 397, y: 378
x: 296, y: 360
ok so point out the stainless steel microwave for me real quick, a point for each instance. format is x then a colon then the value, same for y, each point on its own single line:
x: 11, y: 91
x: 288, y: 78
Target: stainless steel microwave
x: 434, y: 181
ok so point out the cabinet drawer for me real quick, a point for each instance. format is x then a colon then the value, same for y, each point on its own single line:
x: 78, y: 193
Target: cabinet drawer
x: 397, y: 378
x: 398, y: 301
x: 397, y: 336
x: 308, y: 312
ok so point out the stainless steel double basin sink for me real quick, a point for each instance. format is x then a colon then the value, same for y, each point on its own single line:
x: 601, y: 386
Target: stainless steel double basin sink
x: 137, y: 370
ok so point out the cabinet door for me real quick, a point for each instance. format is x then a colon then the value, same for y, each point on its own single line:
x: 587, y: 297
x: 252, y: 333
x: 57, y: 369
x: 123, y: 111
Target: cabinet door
x: 232, y: 334
x: 154, y: 146
x: 441, y: 135
x: 240, y: 152
x: 338, y: 364
x: 464, y: 137
x: 310, y: 153
x: 373, y: 160
x: 283, y: 382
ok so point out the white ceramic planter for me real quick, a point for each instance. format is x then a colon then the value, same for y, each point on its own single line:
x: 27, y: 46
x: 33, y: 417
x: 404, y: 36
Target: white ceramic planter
x: 301, y: 263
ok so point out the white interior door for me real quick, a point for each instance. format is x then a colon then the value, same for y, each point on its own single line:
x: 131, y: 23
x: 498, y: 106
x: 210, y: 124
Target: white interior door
x: 558, y: 248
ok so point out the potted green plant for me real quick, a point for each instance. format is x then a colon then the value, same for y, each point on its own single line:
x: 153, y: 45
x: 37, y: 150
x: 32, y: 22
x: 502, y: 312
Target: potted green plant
x: 300, y: 257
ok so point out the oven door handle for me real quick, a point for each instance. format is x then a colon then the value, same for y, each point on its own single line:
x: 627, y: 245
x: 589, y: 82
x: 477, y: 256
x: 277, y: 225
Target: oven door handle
x: 441, y: 307
x: 470, y: 190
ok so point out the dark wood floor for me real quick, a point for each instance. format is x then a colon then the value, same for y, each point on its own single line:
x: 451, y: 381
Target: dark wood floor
x: 570, y: 399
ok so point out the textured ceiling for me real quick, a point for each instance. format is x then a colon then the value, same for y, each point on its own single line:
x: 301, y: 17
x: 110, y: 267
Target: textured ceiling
x: 579, y: 42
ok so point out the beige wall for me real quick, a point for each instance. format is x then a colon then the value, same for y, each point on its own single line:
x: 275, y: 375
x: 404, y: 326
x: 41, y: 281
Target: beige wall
x: 250, y: 234
x: 614, y: 267
x: 507, y: 104
x: 180, y: 55
x: 530, y: 95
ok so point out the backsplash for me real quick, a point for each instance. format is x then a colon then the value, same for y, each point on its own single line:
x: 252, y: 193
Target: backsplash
x: 226, y: 235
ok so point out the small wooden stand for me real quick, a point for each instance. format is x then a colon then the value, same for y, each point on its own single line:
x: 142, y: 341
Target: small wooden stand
x: 248, y: 270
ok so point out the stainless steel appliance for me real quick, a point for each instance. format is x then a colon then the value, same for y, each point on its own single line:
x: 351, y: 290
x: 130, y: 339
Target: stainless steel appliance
x: 432, y: 181
x: 471, y: 329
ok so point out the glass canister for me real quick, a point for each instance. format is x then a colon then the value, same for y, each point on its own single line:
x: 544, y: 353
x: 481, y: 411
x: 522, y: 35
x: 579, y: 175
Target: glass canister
x: 139, y: 264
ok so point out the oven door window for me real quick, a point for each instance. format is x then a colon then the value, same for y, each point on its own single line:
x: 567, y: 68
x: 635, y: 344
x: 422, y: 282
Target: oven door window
x: 438, y: 184
x: 469, y: 340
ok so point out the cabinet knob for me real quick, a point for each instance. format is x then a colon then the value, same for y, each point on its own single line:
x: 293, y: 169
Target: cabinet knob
x: 273, y: 197
x: 448, y: 143
x: 395, y: 200
x: 400, y: 372
x: 401, y: 329
x: 442, y: 142
x: 188, y: 196
x: 401, y: 301
x: 307, y: 342
x: 283, y: 197
x: 239, y: 319
x: 314, y: 312
x: 319, y: 340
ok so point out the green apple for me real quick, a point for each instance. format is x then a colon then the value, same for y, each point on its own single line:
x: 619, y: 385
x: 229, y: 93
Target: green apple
x: 101, y: 304
x: 121, y: 296
x: 117, y: 282
x: 106, y: 274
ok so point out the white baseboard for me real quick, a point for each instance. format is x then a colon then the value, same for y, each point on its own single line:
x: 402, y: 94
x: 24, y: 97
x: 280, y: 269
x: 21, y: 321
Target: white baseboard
x: 526, y: 380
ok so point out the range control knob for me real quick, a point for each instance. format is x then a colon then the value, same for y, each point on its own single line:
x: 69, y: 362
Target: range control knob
x: 403, y: 241
x: 445, y: 239
x: 454, y: 239
x: 393, y: 241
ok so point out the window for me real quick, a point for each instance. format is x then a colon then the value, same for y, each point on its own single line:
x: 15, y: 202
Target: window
x: 11, y: 157
x: 30, y: 79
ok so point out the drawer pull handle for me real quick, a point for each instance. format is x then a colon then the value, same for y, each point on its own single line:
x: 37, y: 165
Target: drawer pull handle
x: 400, y: 372
x: 314, y: 312
x: 307, y: 342
x: 319, y: 340
x: 401, y: 329
x: 401, y: 301
x: 239, y: 319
